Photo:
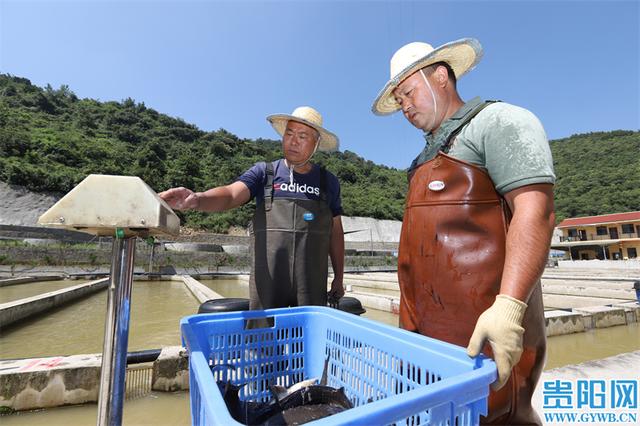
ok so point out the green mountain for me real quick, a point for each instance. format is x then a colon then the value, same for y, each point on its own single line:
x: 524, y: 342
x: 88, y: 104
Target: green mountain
x: 50, y: 140
x: 597, y: 173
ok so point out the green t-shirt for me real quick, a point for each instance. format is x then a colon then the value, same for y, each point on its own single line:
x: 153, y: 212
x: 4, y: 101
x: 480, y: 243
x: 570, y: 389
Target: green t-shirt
x: 507, y: 141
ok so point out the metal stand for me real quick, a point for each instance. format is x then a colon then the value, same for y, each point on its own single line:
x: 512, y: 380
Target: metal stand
x: 116, y: 333
x: 151, y: 217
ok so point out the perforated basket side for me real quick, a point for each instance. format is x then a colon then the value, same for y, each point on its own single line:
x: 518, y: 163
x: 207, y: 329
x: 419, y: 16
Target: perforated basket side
x: 390, y: 375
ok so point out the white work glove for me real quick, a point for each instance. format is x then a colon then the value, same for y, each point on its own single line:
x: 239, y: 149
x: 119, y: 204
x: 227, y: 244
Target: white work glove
x: 501, y: 326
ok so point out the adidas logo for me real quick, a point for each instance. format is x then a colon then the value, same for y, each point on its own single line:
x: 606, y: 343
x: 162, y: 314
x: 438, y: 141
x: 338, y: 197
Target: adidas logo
x: 295, y: 187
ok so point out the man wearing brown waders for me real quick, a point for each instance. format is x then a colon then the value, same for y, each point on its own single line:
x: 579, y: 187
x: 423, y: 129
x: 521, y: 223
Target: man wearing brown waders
x: 297, y: 223
x: 478, y: 221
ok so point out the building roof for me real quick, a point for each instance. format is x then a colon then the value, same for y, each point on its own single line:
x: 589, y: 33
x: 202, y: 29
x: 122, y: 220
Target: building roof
x: 602, y: 219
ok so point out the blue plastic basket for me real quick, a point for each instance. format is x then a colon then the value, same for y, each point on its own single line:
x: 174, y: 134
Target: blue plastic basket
x: 390, y: 375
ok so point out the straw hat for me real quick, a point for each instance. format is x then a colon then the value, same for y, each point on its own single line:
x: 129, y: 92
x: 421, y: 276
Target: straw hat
x: 310, y: 117
x: 462, y: 55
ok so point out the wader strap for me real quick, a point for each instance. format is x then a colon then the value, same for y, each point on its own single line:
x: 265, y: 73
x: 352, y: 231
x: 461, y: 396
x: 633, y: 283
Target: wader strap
x: 446, y: 145
x: 466, y: 119
x: 323, y: 184
x: 268, y: 187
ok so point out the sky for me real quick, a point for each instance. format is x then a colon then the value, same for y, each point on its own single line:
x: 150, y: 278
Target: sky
x: 575, y: 64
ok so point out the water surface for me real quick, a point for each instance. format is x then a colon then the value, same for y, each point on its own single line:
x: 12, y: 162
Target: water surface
x: 14, y: 292
x: 78, y: 328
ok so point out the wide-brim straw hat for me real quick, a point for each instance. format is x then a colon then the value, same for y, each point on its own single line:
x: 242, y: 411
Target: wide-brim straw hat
x: 310, y: 117
x: 461, y: 55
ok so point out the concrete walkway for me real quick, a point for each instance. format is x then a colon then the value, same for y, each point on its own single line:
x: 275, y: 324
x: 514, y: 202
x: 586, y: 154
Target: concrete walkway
x: 199, y: 290
x: 574, y: 302
x: 561, y: 289
x: 22, y: 280
x: 36, y: 383
x: 18, y: 310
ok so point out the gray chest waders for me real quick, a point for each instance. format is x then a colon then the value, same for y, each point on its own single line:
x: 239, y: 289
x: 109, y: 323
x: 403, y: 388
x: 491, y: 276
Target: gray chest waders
x: 290, y: 241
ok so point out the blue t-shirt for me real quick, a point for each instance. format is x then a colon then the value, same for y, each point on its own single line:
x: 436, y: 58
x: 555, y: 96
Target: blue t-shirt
x: 305, y: 185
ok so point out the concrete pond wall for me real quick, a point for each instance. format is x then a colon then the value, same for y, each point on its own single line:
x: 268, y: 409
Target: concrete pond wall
x: 36, y: 383
x: 21, y: 309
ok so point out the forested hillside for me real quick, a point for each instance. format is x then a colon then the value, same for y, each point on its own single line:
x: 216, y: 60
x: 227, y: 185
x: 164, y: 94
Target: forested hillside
x: 50, y: 140
x: 597, y: 173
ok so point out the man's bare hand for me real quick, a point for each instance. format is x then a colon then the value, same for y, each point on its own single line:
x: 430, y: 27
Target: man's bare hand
x: 180, y: 198
x: 336, y: 292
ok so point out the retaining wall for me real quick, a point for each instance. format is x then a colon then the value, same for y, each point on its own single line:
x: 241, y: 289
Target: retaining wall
x: 23, y: 280
x: 67, y: 256
x: 371, y: 229
x: 37, y: 383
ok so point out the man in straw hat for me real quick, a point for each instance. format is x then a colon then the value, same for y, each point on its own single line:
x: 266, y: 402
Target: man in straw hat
x: 478, y: 221
x: 297, y: 221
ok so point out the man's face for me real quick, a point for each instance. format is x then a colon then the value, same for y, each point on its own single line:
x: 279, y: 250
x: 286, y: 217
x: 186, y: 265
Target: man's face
x: 416, y: 102
x: 298, y: 142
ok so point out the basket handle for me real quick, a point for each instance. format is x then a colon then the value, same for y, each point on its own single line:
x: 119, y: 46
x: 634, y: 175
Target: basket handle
x: 259, y: 321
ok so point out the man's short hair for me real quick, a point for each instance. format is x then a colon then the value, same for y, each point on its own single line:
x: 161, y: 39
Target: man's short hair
x: 430, y: 69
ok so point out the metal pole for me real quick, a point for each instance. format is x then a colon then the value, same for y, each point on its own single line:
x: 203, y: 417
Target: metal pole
x: 116, y: 332
x: 371, y: 240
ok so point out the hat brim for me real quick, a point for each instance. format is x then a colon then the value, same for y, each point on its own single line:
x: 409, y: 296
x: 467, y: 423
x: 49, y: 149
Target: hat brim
x: 328, y: 140
x: 461, y: 55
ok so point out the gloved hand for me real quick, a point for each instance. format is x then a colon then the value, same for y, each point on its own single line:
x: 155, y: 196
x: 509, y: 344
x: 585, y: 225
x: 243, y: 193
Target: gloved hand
x: 501, y: 326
